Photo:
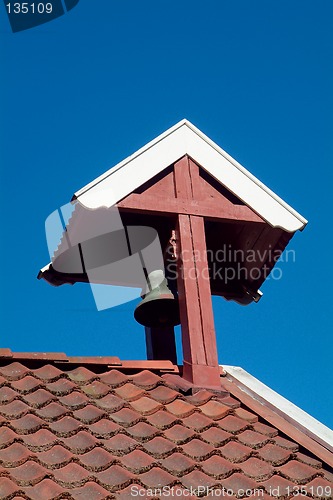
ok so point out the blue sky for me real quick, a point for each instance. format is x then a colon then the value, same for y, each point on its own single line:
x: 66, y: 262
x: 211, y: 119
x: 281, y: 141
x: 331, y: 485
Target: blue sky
x: 85, y: 90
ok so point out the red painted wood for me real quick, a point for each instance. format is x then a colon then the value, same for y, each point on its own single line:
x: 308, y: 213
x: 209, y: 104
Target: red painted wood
x: 183, y: 183
x: 222, y: 210
x: 196, y: 313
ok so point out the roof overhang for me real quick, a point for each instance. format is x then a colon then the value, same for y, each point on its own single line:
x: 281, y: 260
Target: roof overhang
x: 185, y: 139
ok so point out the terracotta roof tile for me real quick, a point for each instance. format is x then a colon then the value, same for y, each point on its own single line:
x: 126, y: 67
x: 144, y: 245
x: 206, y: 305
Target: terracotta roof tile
x: 13, y: 455
x: 129, y: 392
x: 246, y: 415
x: 96, y: 389
x: 235, y: 452
x: 285, y: 443
x: 156, y: 478
x: 8, y: 488
x: 52, y: 411
x: 110, y: 402
x: 7, y: 436
x: 89, y: 414
x: 143, y: 431
x: 198, y: 481
x: 257, y: 469
x: 39, y: 398
x: 233, y: 424
x: 78, y: 433
x: 199, y: 398
x: 274, y: 454
x: 65, y: 427
x: 114, y: 378
x: 198, y: 449
x: 252, y: 438
x: 163, y: 394
x: 146, y: 406
x: 55, y: 457
x: 80, y: 442
x: 45, y: 489
x: 14, y: 409
x: 61, y: 387
x: 71, y: 475
x: 180, y: 408
x: 215, y: 436
x: 179, y: 434
x: 115, y: 477
x: 120, y: 444
x: 97, y: 459
x: 178, y: 464
x: 320, y: 488
x: 279, y: 487
x: 229, y: 401
x: 309, y: 460
x: 26, y: 384
x: 198, y: 422
x: 162, y: 419
x: 90, y: 491
x: 126, y: 417
x: 74, y: 400
x: 7, y: 394
x: 239, y: 483
x: 214, y: 410
x: 218, y: 467
x: 265, y: 429
x: 14, y: 371
x: 40, y: 440
x: 297, y: 471
x: 27, y: 423
x: 146, y: 379
x: 137, y: 461
x: 159, y: 447
x: 48, y: 373
x: 104, y: 428
x: 132, y: 491
x: 28, y: 473
x: 81, y: 375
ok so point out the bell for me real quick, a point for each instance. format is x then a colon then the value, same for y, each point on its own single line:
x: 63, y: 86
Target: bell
x: 159, y: 307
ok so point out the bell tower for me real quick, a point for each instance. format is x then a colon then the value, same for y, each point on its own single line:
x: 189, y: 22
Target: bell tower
x: 210, y: 215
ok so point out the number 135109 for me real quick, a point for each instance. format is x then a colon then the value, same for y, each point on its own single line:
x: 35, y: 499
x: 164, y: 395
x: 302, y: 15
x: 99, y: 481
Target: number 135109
x: 29, y: 8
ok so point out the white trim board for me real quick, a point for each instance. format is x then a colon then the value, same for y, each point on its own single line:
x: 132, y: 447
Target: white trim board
x: 181, y: 139
x: 280, y: 405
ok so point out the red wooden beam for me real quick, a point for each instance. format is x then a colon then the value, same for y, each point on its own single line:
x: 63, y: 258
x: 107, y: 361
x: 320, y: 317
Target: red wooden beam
x: 216, y: 210
x: 195, y: 304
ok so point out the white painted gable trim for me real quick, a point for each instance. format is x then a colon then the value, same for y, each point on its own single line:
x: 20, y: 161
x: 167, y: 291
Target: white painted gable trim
x: 280, y: 405
x: 184, y: 138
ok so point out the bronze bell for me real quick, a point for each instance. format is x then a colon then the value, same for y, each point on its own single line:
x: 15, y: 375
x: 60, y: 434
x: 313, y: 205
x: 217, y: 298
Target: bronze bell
x: 159, y: 307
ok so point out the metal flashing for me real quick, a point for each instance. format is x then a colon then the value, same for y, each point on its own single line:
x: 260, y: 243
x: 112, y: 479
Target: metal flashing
x: 280, y: 405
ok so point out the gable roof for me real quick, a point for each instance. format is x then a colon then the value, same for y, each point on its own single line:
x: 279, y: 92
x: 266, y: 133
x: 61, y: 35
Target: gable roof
x: 88, y: 428
x: 185, y: 139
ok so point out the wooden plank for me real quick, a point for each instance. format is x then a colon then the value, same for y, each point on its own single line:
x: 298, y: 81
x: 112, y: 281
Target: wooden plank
x: 204, y: 290
x: 183, y: 184
x: 195, y: 304
x: 216, y: 210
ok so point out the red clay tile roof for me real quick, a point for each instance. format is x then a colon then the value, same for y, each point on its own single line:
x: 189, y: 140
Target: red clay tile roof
x: 83, y: 429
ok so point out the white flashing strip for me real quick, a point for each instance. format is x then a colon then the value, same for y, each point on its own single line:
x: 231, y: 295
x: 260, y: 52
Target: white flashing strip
x: 184, y: 138
x: 281, y: 406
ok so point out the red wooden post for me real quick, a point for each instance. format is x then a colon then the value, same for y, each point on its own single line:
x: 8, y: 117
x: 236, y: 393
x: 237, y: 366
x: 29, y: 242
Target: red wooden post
x: 196, y: 312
